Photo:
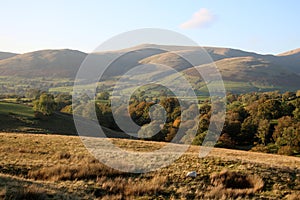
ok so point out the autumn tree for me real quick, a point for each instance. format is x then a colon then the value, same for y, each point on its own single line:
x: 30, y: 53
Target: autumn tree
x: 287, y: 136
x: 270, y: 109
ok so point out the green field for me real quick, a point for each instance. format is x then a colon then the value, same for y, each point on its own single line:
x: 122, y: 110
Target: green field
x: 16, y: 109
x: 19, y: 117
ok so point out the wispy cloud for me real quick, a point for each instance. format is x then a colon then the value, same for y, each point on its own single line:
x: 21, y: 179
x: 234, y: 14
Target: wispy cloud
x: 200, y: 19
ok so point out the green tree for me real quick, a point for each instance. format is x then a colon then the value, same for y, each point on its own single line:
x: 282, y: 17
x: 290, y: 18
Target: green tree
x: 248, y: 130
x: 263, y: 131
x: 287, y: 136
x: 296, y: 114
x: 270, y: 109
x: 103, y: 95
x: 45, y: 104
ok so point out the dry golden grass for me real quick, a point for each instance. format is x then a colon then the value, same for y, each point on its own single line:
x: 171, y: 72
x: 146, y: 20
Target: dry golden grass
x: 63, y: 168
x: 3, y: 193
x: 133, y: 187
x: 231, y: 184
x: 28, y: 193
x: 293, y: 196
x: 84, y: 170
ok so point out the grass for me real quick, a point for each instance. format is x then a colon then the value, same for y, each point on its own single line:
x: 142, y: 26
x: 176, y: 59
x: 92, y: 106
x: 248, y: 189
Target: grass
x: 28, y: 193
x: 62, y: 168
x: 82, y: 171
x: 231, y: 184
x: 16, y: 109
x: 19, y: 117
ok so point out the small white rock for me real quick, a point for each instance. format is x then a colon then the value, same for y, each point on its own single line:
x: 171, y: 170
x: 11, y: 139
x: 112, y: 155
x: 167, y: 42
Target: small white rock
x: 191, y: 174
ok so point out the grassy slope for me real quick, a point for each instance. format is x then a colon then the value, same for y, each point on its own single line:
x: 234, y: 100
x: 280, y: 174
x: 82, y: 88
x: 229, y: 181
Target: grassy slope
x: 21, y: 155
x: 18, y: 117
x: 17, y: 109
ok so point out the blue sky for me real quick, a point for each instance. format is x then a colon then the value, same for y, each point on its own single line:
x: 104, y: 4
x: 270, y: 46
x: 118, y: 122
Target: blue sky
x: 264, y: 26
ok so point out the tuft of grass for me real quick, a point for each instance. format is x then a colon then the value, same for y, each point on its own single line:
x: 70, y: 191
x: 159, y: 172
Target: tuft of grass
x: 64, y: 155
x: 293, y: 196
x: 29, y: 193
x: 82, y: 171
x: 233, y: 184
x: 123, y: 188
x: 130, y: 187
x: 3, y: 193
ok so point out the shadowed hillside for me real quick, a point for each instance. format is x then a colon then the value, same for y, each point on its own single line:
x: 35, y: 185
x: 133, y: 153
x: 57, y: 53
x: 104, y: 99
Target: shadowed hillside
x: 4, y: 55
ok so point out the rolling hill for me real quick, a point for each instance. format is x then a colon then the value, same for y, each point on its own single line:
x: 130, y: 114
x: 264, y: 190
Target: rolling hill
x: 291, y: 60
x: 255, y: 71
x: 4, y: 55
x: 44, y: 63
x: 270, y: 71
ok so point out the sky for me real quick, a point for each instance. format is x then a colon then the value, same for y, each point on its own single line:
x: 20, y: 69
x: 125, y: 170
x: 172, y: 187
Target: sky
x: 263, y: 26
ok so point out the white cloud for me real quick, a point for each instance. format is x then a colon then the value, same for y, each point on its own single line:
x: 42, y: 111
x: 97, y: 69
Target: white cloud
x: 200, y: 19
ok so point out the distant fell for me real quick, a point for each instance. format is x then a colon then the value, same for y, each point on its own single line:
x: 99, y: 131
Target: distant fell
x: 4, y: 55
x: 44, y: 63
x: 279, y: 71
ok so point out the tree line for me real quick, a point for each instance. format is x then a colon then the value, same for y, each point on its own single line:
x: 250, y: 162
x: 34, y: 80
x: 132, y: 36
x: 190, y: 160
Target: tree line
x: 266, y: 122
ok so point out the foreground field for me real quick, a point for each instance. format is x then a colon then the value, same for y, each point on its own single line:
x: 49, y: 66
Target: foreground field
x: 59, y: 167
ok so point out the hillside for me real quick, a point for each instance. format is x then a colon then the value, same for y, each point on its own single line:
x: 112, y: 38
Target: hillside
x: 291, y: 53
x: 291, y: 59
x: 255, y: 71
x: 44, y: 63
x: 5, y: 55
x: 261, y: 72
x: 60, y: 167
x: 20, y: 118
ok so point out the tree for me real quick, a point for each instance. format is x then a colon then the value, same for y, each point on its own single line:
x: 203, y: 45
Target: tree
x: 62, y: 100
x: 248, y: 130
x: 270, y: 109
x: 296, y: 114
x: 45, y: 104
x: 103, y: 95
x: 288, y: 96
x: 283, y: 123
x: 263, y: 130
x: 287, y: 136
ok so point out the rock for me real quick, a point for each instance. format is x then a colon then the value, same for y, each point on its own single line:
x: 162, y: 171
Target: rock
x: 191, y: 174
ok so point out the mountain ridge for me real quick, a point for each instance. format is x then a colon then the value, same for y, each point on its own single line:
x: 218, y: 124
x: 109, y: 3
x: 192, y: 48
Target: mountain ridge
x: 238, y: 65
